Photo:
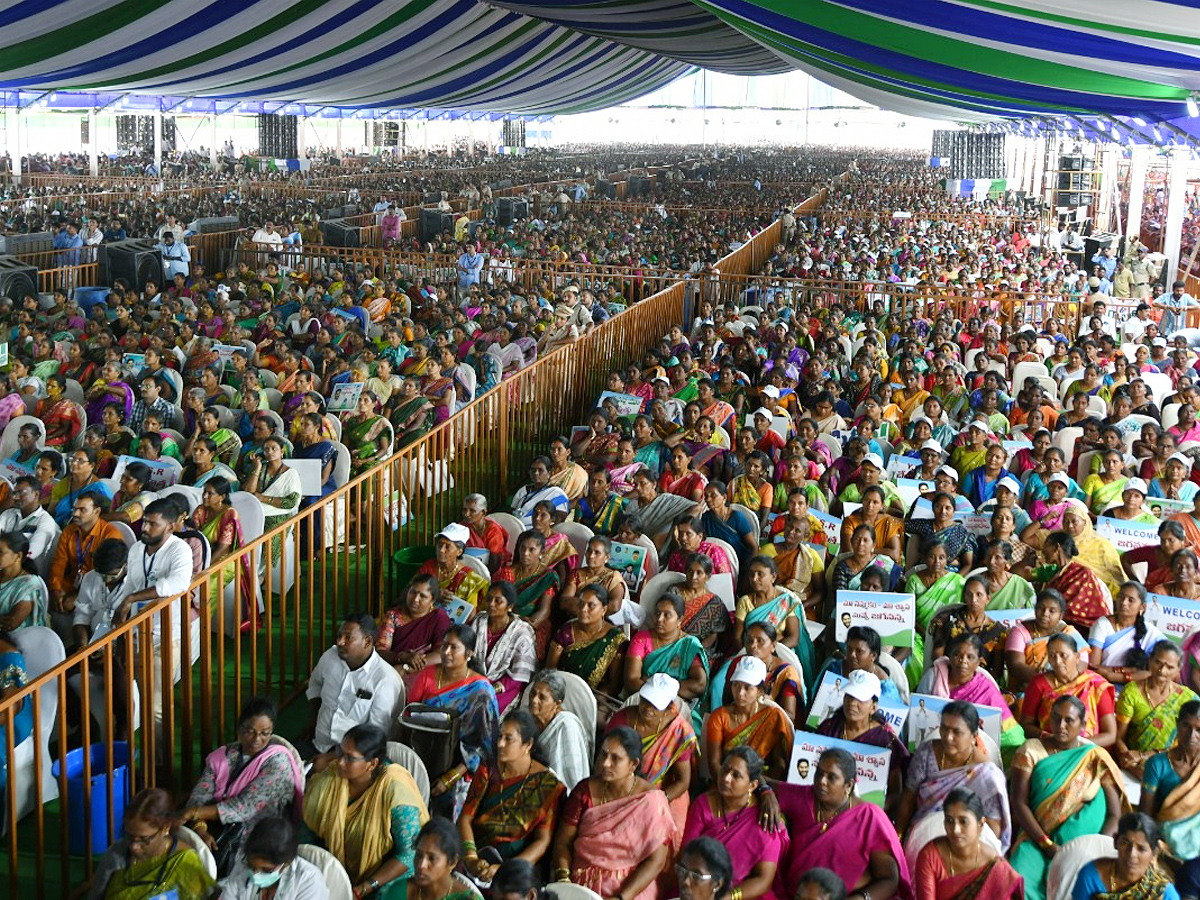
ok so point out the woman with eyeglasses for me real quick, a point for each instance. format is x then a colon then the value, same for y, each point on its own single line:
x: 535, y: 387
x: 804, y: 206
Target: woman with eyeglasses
x: 244, y: 781
x: 150, y: 860
x: 367, y: 812
x: 704, y: 871
x: 81, y: 478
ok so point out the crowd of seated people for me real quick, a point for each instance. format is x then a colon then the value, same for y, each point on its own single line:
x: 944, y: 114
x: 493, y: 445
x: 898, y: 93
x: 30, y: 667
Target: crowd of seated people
x: 627, y: 686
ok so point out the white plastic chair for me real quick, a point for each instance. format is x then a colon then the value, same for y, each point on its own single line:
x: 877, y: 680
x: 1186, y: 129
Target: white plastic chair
x: 274, y: 398
x: 268, y: 378
x: 337, y: 882
x: 1098, y: 406
x: 565, y: 890
x: 126, y: 533
x: 189, y: 838
x: 655, y: 587
x: 578, y: 534
x: 730, y: 554
x: 1025, y: 370
x: 512, y: 527
x: 1070, y: 860
x: 8, y: 442
x: 189, y: 493
x: 74, y: 391
x: 406, y: 756
x: 722, y: 437
x: 43, y: 650
x: 1159, y: 385
x: 1170, y: 416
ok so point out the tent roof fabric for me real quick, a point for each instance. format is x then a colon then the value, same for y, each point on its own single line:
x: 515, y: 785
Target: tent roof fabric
x: 968, y: 60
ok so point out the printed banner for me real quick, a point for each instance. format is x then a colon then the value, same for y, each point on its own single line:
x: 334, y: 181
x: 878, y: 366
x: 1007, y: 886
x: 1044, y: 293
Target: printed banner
x: 134, y: 363
x: 344, y: 397
x: 892, y: 615
x: 910, y: 489
x: 629, y: 559
x: 902, y: 466
x: 833, y: 529
x: 225, y: 353
x: 829, y: 700
x: 1127, y: 535
x: 1173, y: 616
x: 1164, y: 508
x: 925, y: 717
x: 163, y: 472
x: 627, y: 405
x: 872, y: 763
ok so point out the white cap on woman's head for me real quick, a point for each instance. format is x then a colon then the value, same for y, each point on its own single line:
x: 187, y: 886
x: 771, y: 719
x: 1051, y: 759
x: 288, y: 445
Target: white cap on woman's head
x: 933, y: 444
x: 874, y: 459
x: 1011, y: 483
x: 1181, y: 458
x: 660, y: 690
x: 1059, y: 478
x: 949, y: 472
x: 1135, y: 484
x: 455, y: 532
x: 749, y: 670
x: 863, y: 685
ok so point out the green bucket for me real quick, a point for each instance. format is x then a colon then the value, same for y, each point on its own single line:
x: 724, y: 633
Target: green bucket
x: 406, y: 562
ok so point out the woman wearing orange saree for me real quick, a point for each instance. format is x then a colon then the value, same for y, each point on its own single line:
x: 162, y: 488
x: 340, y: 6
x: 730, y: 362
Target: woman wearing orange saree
x: 750, y: 720
x: 668, y: 743
x: 615, y: 827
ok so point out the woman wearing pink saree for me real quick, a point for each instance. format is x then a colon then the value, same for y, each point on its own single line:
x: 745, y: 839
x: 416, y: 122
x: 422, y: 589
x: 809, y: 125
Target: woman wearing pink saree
x: 615, y: 831
x: 245, y: 781
x: 831, y: 828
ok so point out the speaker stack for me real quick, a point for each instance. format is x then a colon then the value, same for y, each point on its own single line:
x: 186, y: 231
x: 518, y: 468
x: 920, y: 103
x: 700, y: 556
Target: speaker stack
x: 16, y: 244
x: 277, y: 136
x: 134, y: 260
x: 210, y: 224
x: 1075, y: 185
x: 340, y: 233
x: 386, y: 134
x: 511, y: 209
x: 975, y: 156
x: 18, y: 279
x: 135, y: 132
x: 514, y: 132
x: 606, y: 188
x: 434, y: 223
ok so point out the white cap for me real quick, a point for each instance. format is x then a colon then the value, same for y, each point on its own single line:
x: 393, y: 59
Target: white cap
x: 874, y: 459
x: 455, y: 532
x: 764, y: 412
x: 660, y: 690
x: 1159, y: 342
x: 921, y: 418
x: 771, y: 391
x: 1182, y: 458
x: 932, y: 444
x: 663, y: 378
x: 1059, y: 478
x: 863, y: 686
x: 982, y: 426
x: 749, y: 670
x: 1135, y: 484
x: 1011, y: 483
x: 946, y: 470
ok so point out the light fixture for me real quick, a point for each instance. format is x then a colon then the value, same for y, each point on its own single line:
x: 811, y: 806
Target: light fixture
x: 1157, y: 134
x: 1139, y: 121
x: 1192, y: 109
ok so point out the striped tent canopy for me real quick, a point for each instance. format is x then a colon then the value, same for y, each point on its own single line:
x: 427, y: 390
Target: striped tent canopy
x: 968, y: 60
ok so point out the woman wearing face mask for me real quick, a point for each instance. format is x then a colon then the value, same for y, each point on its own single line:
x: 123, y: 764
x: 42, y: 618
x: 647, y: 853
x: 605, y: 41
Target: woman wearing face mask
x: 269, y: 869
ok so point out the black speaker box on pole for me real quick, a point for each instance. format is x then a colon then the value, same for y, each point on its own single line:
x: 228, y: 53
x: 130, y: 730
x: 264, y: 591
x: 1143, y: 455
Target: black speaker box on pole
x: 340, y: 233
x: 134, y: 260
x: 434, y: 222
x: 18, y: 279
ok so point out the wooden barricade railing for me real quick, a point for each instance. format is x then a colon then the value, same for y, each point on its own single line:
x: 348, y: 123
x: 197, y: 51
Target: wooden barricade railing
x: 330, y: 559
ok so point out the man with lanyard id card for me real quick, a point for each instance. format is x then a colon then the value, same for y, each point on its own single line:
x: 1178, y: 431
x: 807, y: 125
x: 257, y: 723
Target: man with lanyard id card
x: 159, y: 565
x: 76, y: 546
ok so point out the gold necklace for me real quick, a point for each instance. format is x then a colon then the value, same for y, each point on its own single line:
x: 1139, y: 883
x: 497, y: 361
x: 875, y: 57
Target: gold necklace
x: 975, y: 862
x: 823, y: 819
x: 632, y: 785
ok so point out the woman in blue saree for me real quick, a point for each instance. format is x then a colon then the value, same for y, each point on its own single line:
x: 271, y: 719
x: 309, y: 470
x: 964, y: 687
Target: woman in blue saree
x: 667, y: 648
x: 780, y: 608
x: 81, y: 479
x: 13, y: 677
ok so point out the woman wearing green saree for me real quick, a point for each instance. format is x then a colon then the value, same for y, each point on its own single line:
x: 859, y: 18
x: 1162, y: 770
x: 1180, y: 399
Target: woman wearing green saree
x: 1062, y: 787
x: 935, y: 587
x: 589, y: 646
x: 1009, y: 591
x: 779, y: 608
x: 1105, y: 487
x: 150, y: 860
x: 411, y: 413
x: 365, y: 435
x: 537, y: 586
x: 667, y: 648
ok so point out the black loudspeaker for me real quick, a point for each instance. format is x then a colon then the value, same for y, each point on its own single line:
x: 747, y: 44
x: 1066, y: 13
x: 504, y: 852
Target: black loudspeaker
x: 502, y: 184
x: 277, y: 136
x: 339, y: 233
x: 17, y: 279
x: 334, y: 212
x: 511, y: 209
x: 1098, y: 241
x: 16, y: 244
x: 1073, y: 163
x: 434, y: 222
x: 606, y: 189
x: 433, y: 197
x: 1069, y: 181
x: 210, y: 224
x: 134, y: 259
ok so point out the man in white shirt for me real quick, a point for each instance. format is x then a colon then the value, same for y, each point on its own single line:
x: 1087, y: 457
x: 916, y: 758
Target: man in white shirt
x: 29, y: 518
x: 101, y: 592
x: 267, y: 238
x: 1135, y: 326
x: 175, y: 256
x: 159, y: 565
x: 170, y: 227
x: 352, y: 685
